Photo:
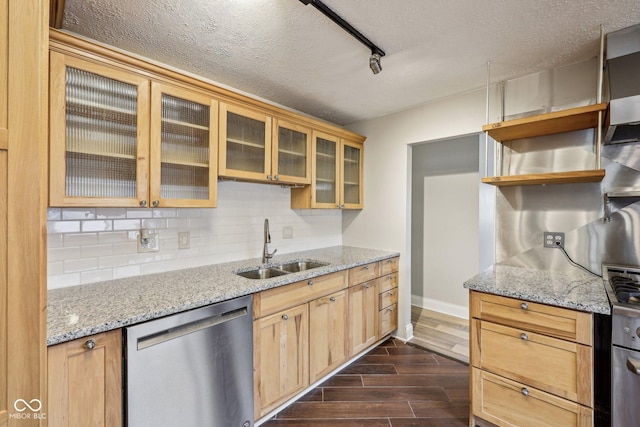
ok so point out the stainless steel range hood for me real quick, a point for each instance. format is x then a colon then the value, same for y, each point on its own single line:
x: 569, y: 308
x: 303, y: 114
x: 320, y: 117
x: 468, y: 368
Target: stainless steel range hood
x: 623, y: 68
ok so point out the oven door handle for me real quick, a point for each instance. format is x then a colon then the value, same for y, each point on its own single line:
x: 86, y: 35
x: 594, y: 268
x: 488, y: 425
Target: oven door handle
x: 633, y: 365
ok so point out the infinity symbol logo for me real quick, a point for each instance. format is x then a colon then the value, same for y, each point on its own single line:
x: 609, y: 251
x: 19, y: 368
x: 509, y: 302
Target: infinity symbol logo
x: 24, y: 405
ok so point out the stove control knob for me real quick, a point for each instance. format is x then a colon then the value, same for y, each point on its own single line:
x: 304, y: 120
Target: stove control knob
x: 626, y: 330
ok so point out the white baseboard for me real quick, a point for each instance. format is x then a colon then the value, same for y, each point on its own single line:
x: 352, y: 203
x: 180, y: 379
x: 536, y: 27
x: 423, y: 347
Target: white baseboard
x: 440, y: 306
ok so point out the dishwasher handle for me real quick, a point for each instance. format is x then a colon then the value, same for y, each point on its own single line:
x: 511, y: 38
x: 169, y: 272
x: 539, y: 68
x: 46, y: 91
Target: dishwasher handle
x: 188, y: 328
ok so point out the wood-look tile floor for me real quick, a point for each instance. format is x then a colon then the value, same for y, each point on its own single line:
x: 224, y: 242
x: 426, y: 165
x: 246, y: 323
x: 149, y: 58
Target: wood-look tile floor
x: 393, y: 385
x: 441, y: 333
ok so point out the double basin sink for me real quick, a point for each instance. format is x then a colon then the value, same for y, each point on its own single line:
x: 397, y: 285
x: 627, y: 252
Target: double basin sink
x: 280, y: 269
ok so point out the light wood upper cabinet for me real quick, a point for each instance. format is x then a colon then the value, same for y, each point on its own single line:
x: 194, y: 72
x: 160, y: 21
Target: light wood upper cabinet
x: 85, y: 381
x: 183, y: 147
x: 116, y: 142
x: 257, y: 147
x: 337, y: 175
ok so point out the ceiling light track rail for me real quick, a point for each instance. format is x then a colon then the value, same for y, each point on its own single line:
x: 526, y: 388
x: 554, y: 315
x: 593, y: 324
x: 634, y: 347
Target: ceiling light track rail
x: 376, y: 52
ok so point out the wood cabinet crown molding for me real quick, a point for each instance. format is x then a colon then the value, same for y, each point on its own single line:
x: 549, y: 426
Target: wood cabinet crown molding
x: 69, y: 44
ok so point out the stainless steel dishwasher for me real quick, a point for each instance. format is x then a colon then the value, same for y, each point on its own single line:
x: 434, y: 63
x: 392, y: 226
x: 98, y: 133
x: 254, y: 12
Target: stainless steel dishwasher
x: 192, y: 369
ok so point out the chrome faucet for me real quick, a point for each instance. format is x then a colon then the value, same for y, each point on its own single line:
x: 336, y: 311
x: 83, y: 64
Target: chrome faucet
x: 267, y: 239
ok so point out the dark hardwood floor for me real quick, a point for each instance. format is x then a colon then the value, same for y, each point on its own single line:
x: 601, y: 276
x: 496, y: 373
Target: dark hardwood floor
x: 393, y: 385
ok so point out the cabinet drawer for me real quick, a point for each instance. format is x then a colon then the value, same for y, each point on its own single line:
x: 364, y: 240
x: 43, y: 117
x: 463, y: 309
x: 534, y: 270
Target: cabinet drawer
x: 388, y: 282
x: 388, y: 298
x: 387, y: 320
x: 276, y: 299
x: 388, y: 266
x: 509, y: 403
x: 363, y: 273
x: 544, y: 319
x: 556, y: 366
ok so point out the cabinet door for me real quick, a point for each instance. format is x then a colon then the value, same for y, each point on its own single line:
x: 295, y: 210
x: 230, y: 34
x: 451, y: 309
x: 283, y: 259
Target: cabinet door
x: 281, y: 357
x: 4, y: 318
x: 99, y: 135
x: 327, y: 334
x: 291, y: 158
x: 326, y: 192
x: 363, y: 312
x: 85, y: 381
x: 245, y: 143
x: 183, y: 170
x: 351, y: 175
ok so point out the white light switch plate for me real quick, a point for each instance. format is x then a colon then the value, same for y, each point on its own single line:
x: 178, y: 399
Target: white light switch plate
x: 287, y: 232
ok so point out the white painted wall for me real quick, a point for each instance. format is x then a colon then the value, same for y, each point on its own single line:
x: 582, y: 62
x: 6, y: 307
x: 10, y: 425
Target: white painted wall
x: 450, y: 244
x: 384, y: 223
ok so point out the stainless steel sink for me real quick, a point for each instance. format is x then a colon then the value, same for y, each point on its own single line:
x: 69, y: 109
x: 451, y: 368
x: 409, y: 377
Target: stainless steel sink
x: 293, y: 267
x: 280, y: 269
x: 262, y: 273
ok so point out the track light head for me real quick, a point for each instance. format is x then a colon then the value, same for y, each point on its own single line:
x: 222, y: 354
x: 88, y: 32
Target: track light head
x: 374, y: 63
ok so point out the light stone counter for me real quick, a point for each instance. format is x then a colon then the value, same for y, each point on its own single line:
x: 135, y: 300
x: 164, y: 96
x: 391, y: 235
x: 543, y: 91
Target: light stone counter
x: 579, y: 291
x: 79, y: 311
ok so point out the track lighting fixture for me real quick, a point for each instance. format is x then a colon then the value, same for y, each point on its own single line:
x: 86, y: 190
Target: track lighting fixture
x: 374, y: 63
x: 376, y: 52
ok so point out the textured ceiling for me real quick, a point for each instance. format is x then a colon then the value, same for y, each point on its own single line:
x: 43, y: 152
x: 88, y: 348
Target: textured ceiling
x: 291, y: 54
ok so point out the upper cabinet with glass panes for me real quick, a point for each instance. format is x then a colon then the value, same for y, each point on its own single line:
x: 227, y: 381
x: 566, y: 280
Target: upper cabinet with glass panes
x: 337, y: 175
x: 256, y: 147
x: 117, y: 139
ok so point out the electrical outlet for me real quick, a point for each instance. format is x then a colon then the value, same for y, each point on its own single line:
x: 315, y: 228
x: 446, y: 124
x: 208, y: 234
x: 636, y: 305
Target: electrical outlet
x: 184, y: 240
x: 553, y: 239
x: 148, y: 241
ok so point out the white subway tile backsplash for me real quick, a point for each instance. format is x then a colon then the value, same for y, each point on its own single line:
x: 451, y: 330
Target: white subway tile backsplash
x: 96, y: 244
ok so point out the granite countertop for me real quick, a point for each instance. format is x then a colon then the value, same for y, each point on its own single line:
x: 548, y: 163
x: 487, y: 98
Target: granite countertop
x: 83, y: 310
x: 578, y: 291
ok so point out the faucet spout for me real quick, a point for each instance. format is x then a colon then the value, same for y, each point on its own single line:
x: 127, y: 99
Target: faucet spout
x: 267, y: 239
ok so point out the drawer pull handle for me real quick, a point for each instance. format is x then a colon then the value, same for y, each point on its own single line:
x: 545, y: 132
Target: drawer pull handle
x: 389, y: 310
x: 310, y: 282
x: 524, y: 336
x: 285, y: 317
x: 390, y: 277
x: 633, y: 365
x: 366, y: 267
x: 524, y: 306
x: 524, y: 391
x: 390, y: 293
x: 366, y: 286
x: 332, y: 299
x: 89, y: 344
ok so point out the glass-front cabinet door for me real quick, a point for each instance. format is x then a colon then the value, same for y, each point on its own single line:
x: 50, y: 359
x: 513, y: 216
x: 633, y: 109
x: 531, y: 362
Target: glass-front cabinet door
x: 99, y: 134
x: 291, y: 157
x: 244, y: 143
x: 183, y: 169
x: 326, y: 191
x: 351, y: 175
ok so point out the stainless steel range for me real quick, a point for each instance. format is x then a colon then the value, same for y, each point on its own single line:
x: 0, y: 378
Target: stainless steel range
x: 623, y: 288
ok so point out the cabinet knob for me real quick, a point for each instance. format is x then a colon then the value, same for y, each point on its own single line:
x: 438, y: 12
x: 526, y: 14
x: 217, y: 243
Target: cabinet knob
x: 310, y: 283
x: 524, y: 391
x: 524, y: 336
x: 524, y: 306
x: 285, y: 317
x: 143, y: 203
x: 332, y: 299
x: 366, y: 285
x: 89, y: 344
x: 156, y: 203
x: 276, y: 178
x: 268, y: 177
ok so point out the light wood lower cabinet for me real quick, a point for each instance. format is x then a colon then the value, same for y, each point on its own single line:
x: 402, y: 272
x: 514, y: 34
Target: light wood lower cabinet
x: 327, y: 334
x: 532, y: 364
x: 363, y: 315
x: 281, y: 357
x: 85, y: 381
